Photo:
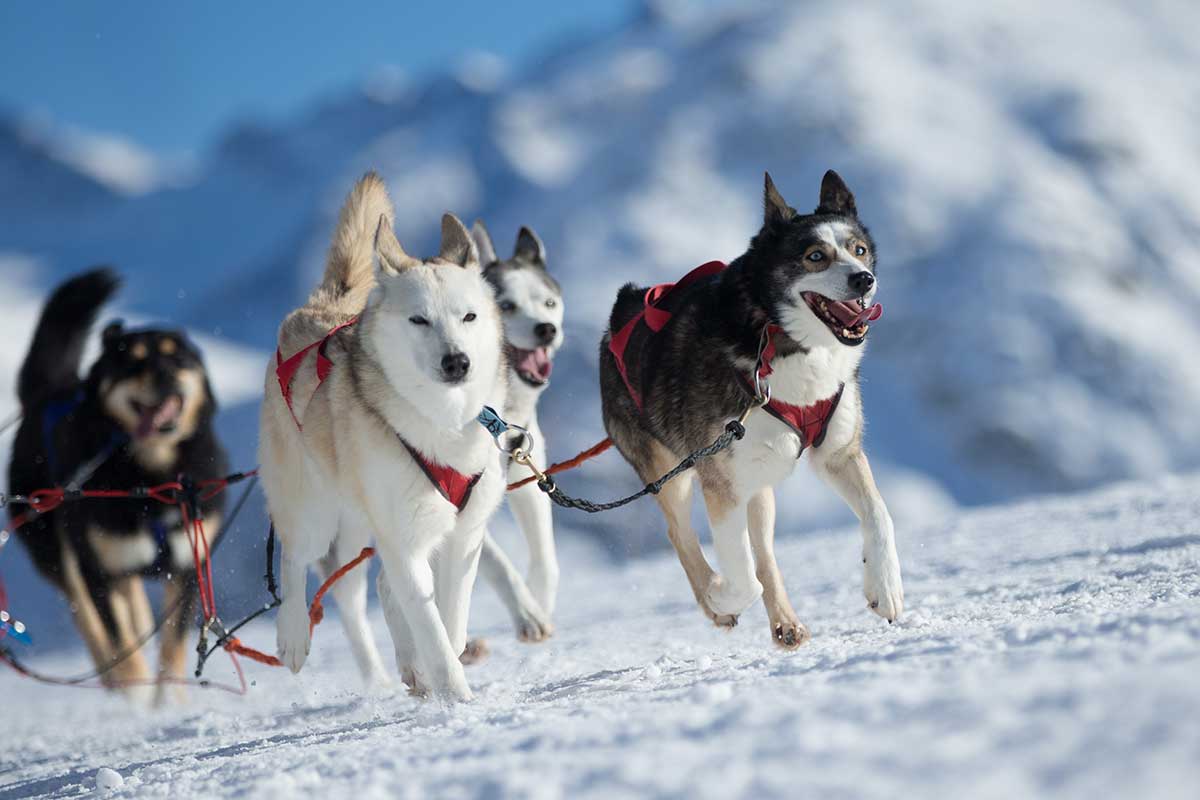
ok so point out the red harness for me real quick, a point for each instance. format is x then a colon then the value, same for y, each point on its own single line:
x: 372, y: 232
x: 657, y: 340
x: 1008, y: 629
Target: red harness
x: 450, y: 483
x: 809, y: 422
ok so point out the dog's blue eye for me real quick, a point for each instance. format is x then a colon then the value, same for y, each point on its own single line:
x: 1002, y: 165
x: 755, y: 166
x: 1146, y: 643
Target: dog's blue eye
x: 860, y: 251
x: 551, y: 303
x: 816, y: 255
x: 469, y: 317
x: 418, y: 320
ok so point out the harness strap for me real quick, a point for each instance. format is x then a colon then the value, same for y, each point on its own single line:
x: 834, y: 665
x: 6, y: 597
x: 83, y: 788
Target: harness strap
x: 655, y: 318
x: 450, y: 483
x: 810, y: 422
x: 285, y: 370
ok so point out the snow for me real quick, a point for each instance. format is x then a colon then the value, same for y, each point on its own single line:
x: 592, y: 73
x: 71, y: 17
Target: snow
x: 1049, y: 649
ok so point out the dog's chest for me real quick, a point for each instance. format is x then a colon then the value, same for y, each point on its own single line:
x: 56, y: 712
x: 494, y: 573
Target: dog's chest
x: 160, y: 543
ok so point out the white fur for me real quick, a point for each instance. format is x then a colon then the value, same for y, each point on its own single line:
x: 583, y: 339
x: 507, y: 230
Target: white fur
x: 346, y: 478
x: 531, y: 602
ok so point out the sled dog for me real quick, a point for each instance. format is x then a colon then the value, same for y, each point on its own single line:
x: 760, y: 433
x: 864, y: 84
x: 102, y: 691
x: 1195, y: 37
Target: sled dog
x: 790, y: 317
x: 531, y: 306
x: 371, y: 434
x: 141, y: 417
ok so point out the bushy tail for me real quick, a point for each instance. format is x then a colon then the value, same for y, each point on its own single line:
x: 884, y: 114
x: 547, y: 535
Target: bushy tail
x: 53, y: 359
x: 350, y: 269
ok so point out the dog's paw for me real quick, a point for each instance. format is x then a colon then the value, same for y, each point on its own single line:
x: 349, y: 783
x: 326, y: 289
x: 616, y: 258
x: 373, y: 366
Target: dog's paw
x: 475, y: 652
x: 725, y: 599
x: 292, y: 635
x: 724, y: 620
x: 789, y: 632
x: 449, y: 685
x: 881, y: 583
x: 533, y: 625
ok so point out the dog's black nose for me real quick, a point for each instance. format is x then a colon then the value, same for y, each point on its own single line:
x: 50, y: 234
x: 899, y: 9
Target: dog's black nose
x: 455, y: 366
x: 861, y: 282
x: 545, y: 332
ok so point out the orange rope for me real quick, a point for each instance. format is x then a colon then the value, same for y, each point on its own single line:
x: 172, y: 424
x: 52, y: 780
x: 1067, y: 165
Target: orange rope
x: 571, y: 463
x: 316, y: 612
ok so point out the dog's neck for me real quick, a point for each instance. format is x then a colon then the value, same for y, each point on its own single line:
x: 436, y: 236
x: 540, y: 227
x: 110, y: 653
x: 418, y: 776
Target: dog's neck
x: 521, y: 403
x: 442, y: 438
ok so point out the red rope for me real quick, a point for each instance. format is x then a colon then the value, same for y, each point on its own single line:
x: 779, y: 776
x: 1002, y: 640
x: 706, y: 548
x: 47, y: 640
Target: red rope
x: 570, y: 463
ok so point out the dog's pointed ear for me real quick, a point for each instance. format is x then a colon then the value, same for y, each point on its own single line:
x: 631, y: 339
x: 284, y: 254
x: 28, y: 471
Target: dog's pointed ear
x: 112, y: 333
x: 529, y: 247
x: 457, y: 245
x: 836, y: 197
x: 775, y: 208
x: 389, y: 255
x: 483, y: 243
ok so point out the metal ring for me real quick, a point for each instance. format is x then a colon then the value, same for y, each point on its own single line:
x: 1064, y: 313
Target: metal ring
x: 523, y: 445
x: 761, y: 397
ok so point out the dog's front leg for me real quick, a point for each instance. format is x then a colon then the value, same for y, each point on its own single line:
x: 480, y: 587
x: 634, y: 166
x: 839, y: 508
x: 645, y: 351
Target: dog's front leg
x: 456, y: 564
x: 412, y: 589
x: 532, y: 509
x: 849, y: 473
x: 786, y: 628
x: 532, y: 623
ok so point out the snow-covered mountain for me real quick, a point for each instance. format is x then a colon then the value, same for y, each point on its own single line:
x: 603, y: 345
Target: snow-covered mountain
x: 1029, y: 170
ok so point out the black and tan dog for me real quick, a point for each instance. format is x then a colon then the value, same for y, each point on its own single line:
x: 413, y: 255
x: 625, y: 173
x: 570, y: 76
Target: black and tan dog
x: 142, y: 416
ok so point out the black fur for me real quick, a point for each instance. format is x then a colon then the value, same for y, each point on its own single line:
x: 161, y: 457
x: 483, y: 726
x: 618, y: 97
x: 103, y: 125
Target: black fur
x: 66, y: 424
x: 690, y: 374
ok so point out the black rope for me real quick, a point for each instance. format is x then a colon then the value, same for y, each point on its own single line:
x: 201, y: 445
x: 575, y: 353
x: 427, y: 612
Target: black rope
x: 734, y: 431
x: 163, y: 617
x: 228, y: 633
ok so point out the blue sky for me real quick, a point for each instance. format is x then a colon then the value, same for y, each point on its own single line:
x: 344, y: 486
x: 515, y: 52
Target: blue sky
x: 171, y: 75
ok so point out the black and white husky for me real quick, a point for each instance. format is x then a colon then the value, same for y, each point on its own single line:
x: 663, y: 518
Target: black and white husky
x: 799, y: 301
x: 531, y: 306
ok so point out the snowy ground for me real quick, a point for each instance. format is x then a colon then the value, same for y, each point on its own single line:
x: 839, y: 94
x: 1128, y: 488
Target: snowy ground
x: 1049, y: 649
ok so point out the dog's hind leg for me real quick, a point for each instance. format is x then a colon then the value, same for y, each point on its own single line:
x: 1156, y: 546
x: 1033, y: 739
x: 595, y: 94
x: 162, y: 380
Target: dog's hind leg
x: 306, y: 530
x: 786, y: 628
x: 350, y: 594
x: 532, y: 623
x: 140, y: 614
x: 675, y: 500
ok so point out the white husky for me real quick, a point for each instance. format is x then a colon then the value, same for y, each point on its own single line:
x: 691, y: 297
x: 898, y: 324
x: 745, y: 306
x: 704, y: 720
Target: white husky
x: 532, y: 309
x: 372, y: 435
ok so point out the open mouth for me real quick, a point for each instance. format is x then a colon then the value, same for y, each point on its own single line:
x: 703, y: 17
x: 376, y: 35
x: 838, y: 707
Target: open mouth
x: 847, y: 320
x: 533, y: 366
x: 157, y: 419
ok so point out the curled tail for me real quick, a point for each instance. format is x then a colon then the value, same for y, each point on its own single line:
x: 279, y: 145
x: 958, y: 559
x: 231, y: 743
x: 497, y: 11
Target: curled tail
x: 350, y: 268
x: 57, y: 349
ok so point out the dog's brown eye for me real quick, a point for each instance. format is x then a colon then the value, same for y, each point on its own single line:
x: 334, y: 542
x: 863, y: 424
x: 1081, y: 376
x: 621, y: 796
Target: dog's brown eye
x: 551, y: 303
x: 469, y: 317
x: 508, y: 306
x: 418, y: 320
x: 816, y: 255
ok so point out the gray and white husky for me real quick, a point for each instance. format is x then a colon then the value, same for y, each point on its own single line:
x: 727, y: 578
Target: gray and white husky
x: 802, y: 296
x: 531, y: 307
x: 373, y: 436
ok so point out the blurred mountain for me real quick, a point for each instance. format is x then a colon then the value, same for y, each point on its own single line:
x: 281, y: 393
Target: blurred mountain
x: 1030, y: 172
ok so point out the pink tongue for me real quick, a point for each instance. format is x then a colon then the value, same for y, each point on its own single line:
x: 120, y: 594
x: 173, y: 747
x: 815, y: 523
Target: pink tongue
x: 154, y: 418
x: 536, y: 362
x: 849, y: 314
